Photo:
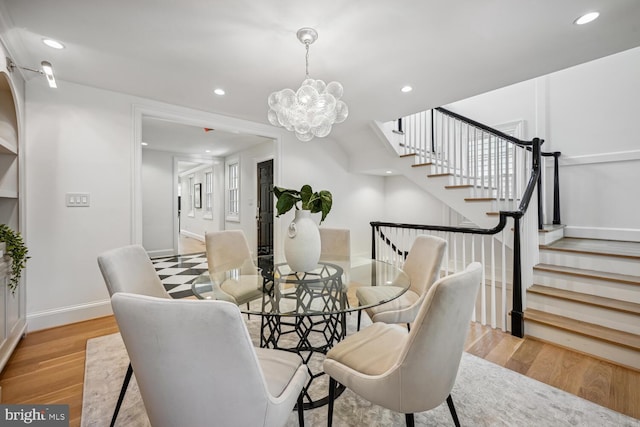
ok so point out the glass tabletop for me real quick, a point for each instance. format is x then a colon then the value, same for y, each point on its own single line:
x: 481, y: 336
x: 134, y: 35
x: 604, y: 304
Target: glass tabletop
x: 328, y: 289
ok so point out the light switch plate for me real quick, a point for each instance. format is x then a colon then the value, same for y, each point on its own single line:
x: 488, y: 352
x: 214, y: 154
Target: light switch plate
x: 78, y: 200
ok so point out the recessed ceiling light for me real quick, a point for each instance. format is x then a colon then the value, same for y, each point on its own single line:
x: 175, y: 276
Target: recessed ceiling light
x: 207, y: 151
x: 219, y: 91
x: 389, y: 172
x: 53, y: 43
x: 145, y: 144
x: 586, y: 18
x: 406, y: 89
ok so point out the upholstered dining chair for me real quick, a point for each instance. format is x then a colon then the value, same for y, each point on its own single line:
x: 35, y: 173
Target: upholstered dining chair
x: 422, y: 265
x: 234, y: 275
x: 196, y: 365
x: 410, y: 371
x: 335, y: 244
x: 129, y: 269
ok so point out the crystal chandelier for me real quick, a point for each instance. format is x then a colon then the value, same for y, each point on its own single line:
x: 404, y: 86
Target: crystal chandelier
x: 314, y: 107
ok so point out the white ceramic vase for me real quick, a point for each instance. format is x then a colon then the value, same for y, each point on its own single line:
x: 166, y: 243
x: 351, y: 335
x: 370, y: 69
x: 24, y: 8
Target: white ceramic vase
x: 302, y: 242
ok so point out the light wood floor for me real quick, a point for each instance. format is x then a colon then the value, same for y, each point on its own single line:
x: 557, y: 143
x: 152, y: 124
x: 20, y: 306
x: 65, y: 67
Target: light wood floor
x: 189, y: 245
x: 48, y: 367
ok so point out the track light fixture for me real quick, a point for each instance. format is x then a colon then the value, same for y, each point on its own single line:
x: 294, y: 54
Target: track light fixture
x: 46, y: 70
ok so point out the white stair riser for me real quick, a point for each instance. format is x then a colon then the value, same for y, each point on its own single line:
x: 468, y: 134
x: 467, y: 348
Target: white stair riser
x: 620, y: 355
x: 608, y: 318
x: 614, y: 290
x: 604, y: 263
x: 548, y: 237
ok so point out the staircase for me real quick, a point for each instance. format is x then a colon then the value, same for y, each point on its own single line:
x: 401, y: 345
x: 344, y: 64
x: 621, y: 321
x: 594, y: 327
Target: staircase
x: 586, y: 296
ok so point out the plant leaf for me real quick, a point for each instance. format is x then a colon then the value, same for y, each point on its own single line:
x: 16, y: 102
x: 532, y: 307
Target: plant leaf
x: 285, y: 202
x: 326, y: 201
x: 305, y: 194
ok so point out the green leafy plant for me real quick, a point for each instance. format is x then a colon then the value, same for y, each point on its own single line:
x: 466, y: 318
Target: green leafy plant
x: 320, y: 201
x: 17, y: 250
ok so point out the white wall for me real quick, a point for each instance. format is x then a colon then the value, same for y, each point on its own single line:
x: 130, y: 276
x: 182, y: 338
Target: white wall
x: 157, y: 202
x: 589, y: 113
x: 408, y: 203
x: 78, y: 139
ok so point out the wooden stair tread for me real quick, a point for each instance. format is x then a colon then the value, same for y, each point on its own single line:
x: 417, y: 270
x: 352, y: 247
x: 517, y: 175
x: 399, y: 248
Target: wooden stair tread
x: 479, y: 199
x: 593, y: 274
x: 417, y: 165
x: 407, y: 155
x: 435, y: 175
x: 609, y: 303
x: 453, y: 187
x: 624, y: 339
x: 590, y: 274
x: 547, y: 228
x: 493, y: 213
x: 630, y: 250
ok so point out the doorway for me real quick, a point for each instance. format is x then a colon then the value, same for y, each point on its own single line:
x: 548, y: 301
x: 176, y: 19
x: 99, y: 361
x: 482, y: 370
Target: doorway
x: 264, y: 216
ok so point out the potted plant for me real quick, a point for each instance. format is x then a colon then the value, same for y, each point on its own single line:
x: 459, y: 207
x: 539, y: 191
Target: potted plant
x: 320, y: 201
x: 16, y: 249
x: 302, y: 242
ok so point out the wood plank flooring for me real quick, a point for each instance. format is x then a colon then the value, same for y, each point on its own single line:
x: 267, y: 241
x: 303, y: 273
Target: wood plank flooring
x: 48, y: 367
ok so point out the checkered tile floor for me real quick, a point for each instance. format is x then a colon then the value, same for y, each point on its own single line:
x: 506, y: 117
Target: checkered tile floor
x: 178, y: 272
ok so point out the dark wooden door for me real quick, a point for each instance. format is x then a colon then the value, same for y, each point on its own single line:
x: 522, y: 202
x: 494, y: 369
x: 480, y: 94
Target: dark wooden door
x: 264, y: 217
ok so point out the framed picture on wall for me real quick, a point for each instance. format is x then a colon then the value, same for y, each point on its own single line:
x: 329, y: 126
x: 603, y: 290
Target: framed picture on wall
x: 197, y: 195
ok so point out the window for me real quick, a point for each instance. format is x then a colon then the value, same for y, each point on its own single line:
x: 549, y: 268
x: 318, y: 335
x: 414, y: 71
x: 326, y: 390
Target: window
x: 208, y: 195
x: 233, y: 190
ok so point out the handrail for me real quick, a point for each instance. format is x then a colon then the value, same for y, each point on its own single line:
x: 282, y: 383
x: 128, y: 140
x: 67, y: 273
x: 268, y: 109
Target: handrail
x: 485, y: 128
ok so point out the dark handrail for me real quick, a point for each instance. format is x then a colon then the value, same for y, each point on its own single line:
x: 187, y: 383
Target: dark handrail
x: 485, y: 128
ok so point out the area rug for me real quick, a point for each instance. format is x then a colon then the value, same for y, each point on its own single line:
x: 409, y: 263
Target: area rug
x: 485, y: 394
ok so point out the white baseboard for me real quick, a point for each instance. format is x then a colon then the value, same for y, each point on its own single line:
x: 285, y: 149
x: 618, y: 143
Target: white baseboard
x: 161, y: 253
x: 65, y: 315
x: 623, y: 234
x: 192, y: 235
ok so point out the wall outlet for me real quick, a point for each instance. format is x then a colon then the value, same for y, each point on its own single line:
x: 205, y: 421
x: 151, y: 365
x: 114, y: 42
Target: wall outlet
x: 76, y: 200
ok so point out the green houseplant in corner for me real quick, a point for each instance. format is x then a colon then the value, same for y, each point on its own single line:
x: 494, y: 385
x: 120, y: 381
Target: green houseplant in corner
x: 302, y: 241
x: 16, y: 249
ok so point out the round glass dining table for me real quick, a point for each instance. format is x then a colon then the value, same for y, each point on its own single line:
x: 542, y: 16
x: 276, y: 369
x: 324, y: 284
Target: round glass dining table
x: 304, y: 312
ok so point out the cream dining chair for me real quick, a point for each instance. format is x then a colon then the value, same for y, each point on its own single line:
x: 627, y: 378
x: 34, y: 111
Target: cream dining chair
x: 196, y: 366
x: 422, y: 265
x: 234, y: 276
x: 129, y: 269
x: 335, y: 244
x: 410, y: 371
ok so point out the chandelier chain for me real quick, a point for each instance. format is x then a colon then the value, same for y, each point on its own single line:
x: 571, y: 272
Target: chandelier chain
x: 307, y: 60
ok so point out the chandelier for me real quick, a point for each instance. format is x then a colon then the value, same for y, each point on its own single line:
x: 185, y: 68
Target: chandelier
x: 314, y: 107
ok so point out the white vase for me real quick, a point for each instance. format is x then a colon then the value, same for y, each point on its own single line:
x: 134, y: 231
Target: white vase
x: 302, y: 243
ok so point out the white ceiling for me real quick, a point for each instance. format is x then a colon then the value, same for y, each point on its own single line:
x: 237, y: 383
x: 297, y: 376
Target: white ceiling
x: 165, y: 135
x: 179, y: 51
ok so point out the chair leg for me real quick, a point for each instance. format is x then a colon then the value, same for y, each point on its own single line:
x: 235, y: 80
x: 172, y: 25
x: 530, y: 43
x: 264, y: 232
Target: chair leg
x: 123, y: 390
x: 409, y: 418
x: 452, y: 409
x: 408, y: 327
x: 301, y: 410
x: 359, y: 317
x: 332, y: 396
x: 248, y: 315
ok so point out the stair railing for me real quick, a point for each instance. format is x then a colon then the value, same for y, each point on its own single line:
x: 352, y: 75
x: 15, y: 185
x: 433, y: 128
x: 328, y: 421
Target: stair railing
x: 491, y: 162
